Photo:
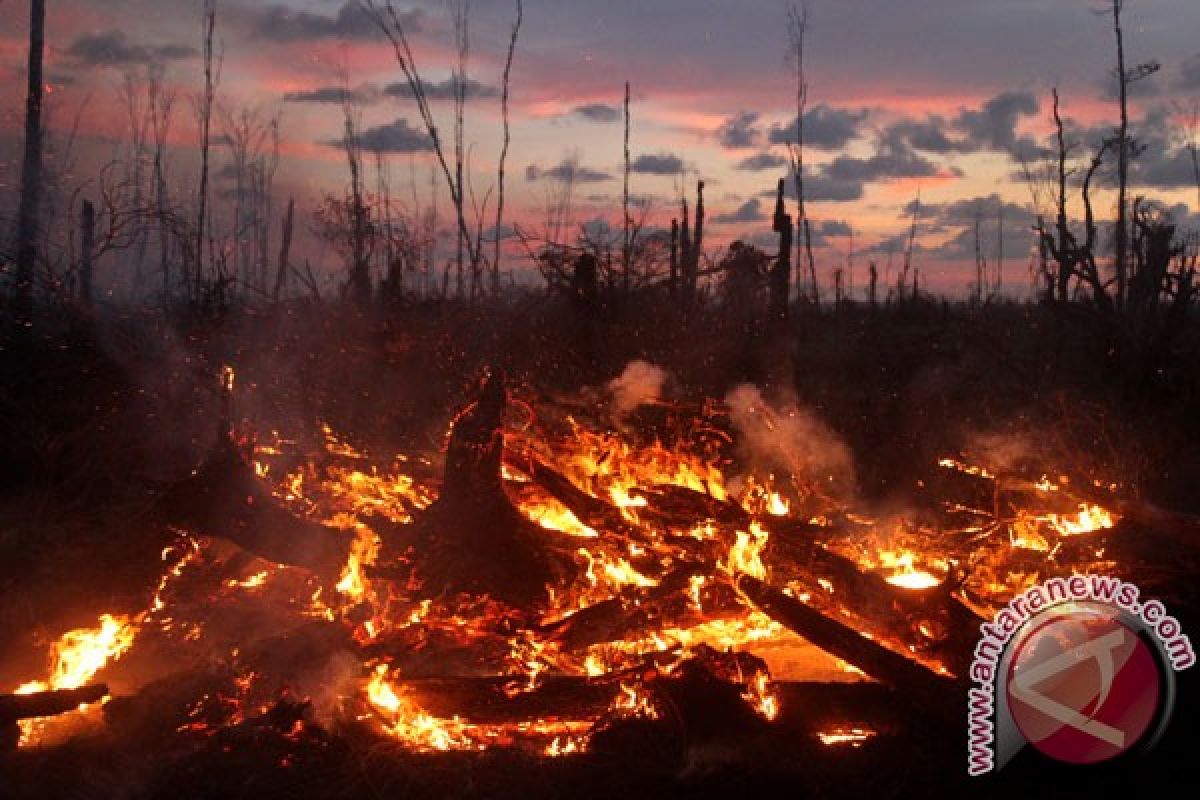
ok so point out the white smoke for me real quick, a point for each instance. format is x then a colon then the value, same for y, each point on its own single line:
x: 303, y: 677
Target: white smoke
x: 641, y: 382
x: 783, y: 437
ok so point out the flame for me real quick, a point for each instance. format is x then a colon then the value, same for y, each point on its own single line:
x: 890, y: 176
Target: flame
x: 760, y: 697
x: 1088, y: 519
x: 854, y: 737
x: 745, y: 556
x: 905, y: 574
x: 75, y: 659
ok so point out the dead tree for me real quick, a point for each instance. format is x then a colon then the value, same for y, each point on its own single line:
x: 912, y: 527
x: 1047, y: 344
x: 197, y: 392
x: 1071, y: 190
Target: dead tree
x: 797, y: 28
x: 625, y: 243
x: 204, y: 113
x: 87, y: 248
x: 504, y: 89
x: 360, y: 223
x: 1125, y: 77
x: 31, y: 176
x: 685, y: 254
x: 673, y: 280
x: 285, y: 247
x: 693, y: 249
x: 781, y: 272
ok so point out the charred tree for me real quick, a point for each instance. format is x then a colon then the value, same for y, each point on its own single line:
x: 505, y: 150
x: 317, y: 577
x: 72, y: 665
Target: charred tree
x: 285, y: 247
x: 472, y: 539
x: 87, y: 247
x: 31, y: 177
x: 781, y: 272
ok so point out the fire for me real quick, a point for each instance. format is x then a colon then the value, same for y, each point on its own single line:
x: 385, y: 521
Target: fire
x: 745, y: 556
x: 1088, y: 519
x: 405, y: 720
x: 760, y: 697
x: 353, y: 583
x: 852, y: 736
x: 75, y: 659
x: 905, y: 574
x: 661, y: 546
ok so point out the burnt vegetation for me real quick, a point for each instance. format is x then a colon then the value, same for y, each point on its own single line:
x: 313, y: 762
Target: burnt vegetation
x: 192, y: 412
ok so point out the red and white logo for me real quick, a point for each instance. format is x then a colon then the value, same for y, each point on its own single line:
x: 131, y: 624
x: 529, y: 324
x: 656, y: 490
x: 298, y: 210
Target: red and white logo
x: 1084, y: 687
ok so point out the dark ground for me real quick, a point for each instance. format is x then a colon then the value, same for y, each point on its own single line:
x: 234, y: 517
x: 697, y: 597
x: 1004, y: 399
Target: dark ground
x: 102, y: 414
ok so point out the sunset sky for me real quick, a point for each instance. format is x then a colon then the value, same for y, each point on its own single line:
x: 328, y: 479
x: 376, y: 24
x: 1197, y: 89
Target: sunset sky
x: 940, y: 95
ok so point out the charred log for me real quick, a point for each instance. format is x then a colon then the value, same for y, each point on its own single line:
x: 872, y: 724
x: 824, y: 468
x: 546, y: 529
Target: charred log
x: 49, y: 703
x: 929, y: 692
x: 472, y: 539
x: 224, y: 498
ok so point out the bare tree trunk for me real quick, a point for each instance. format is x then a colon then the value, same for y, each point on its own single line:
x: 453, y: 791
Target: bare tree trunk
x: 360, y: 268
x: 673, y: 285
x: 87, y: 247
x: 512, y: 46
x: 462, y: 42
x: 1122, y: 233
x: 781, y: 273
x: 693, y: 264
x: 797, y: 27
x: 389, y: 21
x: 204, y: 111
x: 31, y: 177
x: 625, y: 244
x: 685, y: 255
x: 908, y: 250
x: 285, y: 248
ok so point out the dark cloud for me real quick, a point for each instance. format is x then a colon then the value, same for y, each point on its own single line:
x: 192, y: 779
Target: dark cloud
x: 113, y: 49
x: 825, y: 128
x: 889, y: 162
x: 332, y: 94
x: 394, y: 137
x: 749, y: 211
x: 820, y: 188
x: 927, y: 135
x: 740, y: 131
x: 598, y: 112
x: 657, y: 164
x: 283, y: 24
x: 762, y: 161
x: 994, y: 126
x: 823, y: 232
x: 567, y: 170
x: 1189, y: 73
x: 442, y: 90
x: 834, y: 227
x: 990, y: 128
x: 1161, y: 160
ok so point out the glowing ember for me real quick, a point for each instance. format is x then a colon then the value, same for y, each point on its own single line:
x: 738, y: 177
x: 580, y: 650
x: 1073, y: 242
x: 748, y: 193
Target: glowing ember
x: 1089, y: 518
x: 906, y: 575
x: 408, y: 722
x: 853, y: 737
x: 75, y: 659
x: 745, y: 556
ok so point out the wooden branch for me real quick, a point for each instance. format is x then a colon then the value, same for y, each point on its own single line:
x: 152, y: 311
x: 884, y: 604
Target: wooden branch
x: 48, y: 703
x: 932, y: 693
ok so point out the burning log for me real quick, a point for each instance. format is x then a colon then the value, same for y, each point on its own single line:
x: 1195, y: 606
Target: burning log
x: 48, y: 703
x: 224, y: 498
x: 892, y: 609
x: 929, y: 692
x: 14, y: 707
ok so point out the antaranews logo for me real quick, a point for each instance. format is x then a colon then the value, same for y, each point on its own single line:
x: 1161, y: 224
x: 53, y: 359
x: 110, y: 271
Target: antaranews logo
x: 1079, y: 667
